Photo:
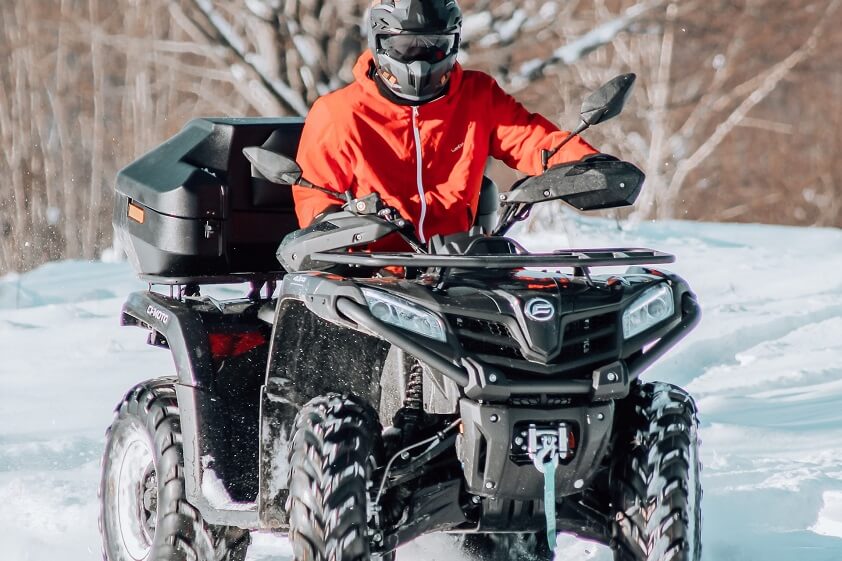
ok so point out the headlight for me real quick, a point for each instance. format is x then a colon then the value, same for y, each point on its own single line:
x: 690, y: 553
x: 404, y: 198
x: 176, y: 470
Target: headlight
x: 404, y: 314
x: 651, y: 308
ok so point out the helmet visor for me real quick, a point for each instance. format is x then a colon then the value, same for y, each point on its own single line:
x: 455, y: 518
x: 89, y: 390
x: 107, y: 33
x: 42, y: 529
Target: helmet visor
x: 407, y: 47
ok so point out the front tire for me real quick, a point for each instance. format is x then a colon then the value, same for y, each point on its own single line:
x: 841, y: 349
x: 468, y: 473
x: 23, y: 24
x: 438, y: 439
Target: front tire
x: 655, y: 487
x: 144, y: 513
x: 331, y: 458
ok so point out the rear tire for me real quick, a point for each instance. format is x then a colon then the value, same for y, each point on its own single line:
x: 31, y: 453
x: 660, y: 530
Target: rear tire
x: 655, y: 487
x: 330, y: 459
x: 506, y: 547
x: 144, y: 513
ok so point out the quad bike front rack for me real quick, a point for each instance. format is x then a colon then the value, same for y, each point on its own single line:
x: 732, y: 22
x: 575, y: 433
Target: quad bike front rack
x: 576, y: 258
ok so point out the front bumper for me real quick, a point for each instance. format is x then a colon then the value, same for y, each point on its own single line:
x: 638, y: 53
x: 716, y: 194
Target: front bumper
x: 487, y: 383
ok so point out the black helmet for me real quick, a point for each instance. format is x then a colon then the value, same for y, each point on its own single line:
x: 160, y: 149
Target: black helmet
x: 414, y: 43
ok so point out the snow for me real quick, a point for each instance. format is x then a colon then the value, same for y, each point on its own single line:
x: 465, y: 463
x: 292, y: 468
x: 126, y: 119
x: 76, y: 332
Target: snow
x: 830, y: 516
x: 580, y: 46
x: 214, y: 489
x: 765, y: 366
x: 476, y: 24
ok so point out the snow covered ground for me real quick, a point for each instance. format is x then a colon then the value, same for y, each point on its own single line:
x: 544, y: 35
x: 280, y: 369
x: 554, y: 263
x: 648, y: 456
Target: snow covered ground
x: 765, y: 366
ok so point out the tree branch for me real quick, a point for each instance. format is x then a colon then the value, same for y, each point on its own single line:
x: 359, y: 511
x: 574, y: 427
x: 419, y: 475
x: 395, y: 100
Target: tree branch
x: 770, y: 80
x: 235, y: 45
x: 579, y: 47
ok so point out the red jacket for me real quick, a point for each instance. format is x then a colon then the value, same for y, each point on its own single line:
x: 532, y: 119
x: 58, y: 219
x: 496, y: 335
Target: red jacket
x: 426, y: 161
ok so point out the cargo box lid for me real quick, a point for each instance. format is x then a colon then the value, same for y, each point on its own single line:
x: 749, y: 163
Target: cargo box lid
x: 186, y: 175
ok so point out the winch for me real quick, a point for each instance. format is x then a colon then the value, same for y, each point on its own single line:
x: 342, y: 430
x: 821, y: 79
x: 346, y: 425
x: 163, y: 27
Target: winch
x: 536, y: 442
x: 546, y: 447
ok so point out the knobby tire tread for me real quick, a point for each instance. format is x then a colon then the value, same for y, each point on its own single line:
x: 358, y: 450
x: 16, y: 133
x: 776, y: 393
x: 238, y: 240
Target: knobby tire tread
x: 181, y: 534
x: 332, y: 445
x: 654, y: 465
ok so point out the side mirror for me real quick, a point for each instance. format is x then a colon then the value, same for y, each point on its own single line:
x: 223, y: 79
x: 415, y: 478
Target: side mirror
x: 601, y: 105
x: 275, y: 167
x: 608, y: 101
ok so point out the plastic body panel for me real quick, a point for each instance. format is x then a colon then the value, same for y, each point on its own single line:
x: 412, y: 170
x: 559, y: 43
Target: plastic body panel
x: 218, y: 399
x: 308, y: 358
x: 204, y: 210
x: 488, y: 470
x: 584, y: 334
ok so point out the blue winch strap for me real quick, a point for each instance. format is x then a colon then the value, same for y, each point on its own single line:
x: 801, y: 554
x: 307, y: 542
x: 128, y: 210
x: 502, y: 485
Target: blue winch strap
x: 549, y: 502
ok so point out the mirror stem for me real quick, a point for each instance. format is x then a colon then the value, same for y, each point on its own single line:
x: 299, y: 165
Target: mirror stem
x: 547, y: 154
x: 310, y: 185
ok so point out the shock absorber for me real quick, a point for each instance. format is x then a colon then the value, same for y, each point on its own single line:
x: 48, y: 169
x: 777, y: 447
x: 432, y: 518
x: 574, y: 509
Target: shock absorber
x: 410, y: 416
x: 414, y: 398
x: 403, y: 434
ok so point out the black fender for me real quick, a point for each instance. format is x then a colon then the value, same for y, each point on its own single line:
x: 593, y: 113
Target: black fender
x: 204, y: 393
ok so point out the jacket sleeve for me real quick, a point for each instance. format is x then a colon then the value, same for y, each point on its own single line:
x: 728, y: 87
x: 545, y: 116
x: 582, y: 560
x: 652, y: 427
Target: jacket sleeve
x: 324, y: 160
x: 518, y: 136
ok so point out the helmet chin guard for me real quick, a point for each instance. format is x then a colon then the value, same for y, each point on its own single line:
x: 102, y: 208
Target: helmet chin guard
x: 414, y: 44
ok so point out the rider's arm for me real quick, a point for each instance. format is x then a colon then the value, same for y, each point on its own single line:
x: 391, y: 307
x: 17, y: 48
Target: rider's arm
x: 324, y: 161
x: 519, y: 136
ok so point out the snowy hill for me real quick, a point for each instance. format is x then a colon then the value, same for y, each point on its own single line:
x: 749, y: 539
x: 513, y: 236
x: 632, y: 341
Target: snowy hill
x: 765, y: 366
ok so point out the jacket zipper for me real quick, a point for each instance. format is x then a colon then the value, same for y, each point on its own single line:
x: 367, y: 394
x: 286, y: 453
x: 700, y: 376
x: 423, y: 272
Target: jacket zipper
x: 419, y: 177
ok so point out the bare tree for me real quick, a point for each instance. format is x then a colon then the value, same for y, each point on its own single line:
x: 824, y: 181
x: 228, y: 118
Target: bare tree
x: 722, y: 107
x: 736, y: 117
x: 707, y: 72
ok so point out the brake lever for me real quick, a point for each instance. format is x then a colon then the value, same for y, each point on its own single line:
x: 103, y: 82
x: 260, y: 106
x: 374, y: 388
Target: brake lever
x: 372, y: 205
x: 405, y: 230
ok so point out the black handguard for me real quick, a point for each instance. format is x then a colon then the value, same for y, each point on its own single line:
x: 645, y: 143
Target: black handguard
x: 325, y: 213
x: 595, y: 182
x: 600, y: 157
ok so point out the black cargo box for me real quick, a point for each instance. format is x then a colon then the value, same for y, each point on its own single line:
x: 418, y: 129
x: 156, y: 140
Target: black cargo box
x: 191, y: 207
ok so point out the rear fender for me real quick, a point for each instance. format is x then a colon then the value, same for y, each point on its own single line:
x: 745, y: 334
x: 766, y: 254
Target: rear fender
x: 174, y: 325
x: 204, y: 418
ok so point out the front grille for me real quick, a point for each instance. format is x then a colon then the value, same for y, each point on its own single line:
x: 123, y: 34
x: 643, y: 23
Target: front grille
x: 540, y: 400
x: 485, y: 337
x: 586, y: 343
x: 592, y: 336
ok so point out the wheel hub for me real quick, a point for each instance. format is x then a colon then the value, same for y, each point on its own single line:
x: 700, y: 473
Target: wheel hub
x: 149, y: 502
x: 137, y: 498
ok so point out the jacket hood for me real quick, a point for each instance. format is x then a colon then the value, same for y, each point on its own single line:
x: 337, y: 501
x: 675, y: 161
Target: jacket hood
x: 362, y: 74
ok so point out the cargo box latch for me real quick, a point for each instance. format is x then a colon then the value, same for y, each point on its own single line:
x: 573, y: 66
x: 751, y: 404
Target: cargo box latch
x: 211, y: 229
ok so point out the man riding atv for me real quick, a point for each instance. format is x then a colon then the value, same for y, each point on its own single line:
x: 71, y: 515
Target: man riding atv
x: 417, y: 128
x: 491, y: 392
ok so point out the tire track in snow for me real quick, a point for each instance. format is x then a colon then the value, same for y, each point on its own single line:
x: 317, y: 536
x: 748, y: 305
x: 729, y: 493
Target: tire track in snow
x: 696, y: 356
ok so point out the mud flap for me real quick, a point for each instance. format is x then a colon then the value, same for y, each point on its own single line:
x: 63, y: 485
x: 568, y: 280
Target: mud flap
x: 277, y: 416
x: 309, y: 357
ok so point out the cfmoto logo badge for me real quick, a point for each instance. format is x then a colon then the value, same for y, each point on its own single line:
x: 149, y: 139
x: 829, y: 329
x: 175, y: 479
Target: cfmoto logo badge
x: 539, y: 309
x: 157, y: 314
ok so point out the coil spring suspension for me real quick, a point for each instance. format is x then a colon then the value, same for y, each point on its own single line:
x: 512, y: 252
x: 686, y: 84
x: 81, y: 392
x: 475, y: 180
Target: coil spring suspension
x: 411, y: 415
x: 414, y: 398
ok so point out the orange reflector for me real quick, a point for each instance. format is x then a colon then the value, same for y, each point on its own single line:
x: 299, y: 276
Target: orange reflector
x: 136, y: 213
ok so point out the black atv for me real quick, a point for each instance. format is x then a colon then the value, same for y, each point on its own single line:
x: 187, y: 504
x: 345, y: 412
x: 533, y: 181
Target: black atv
x: 479, y: 391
